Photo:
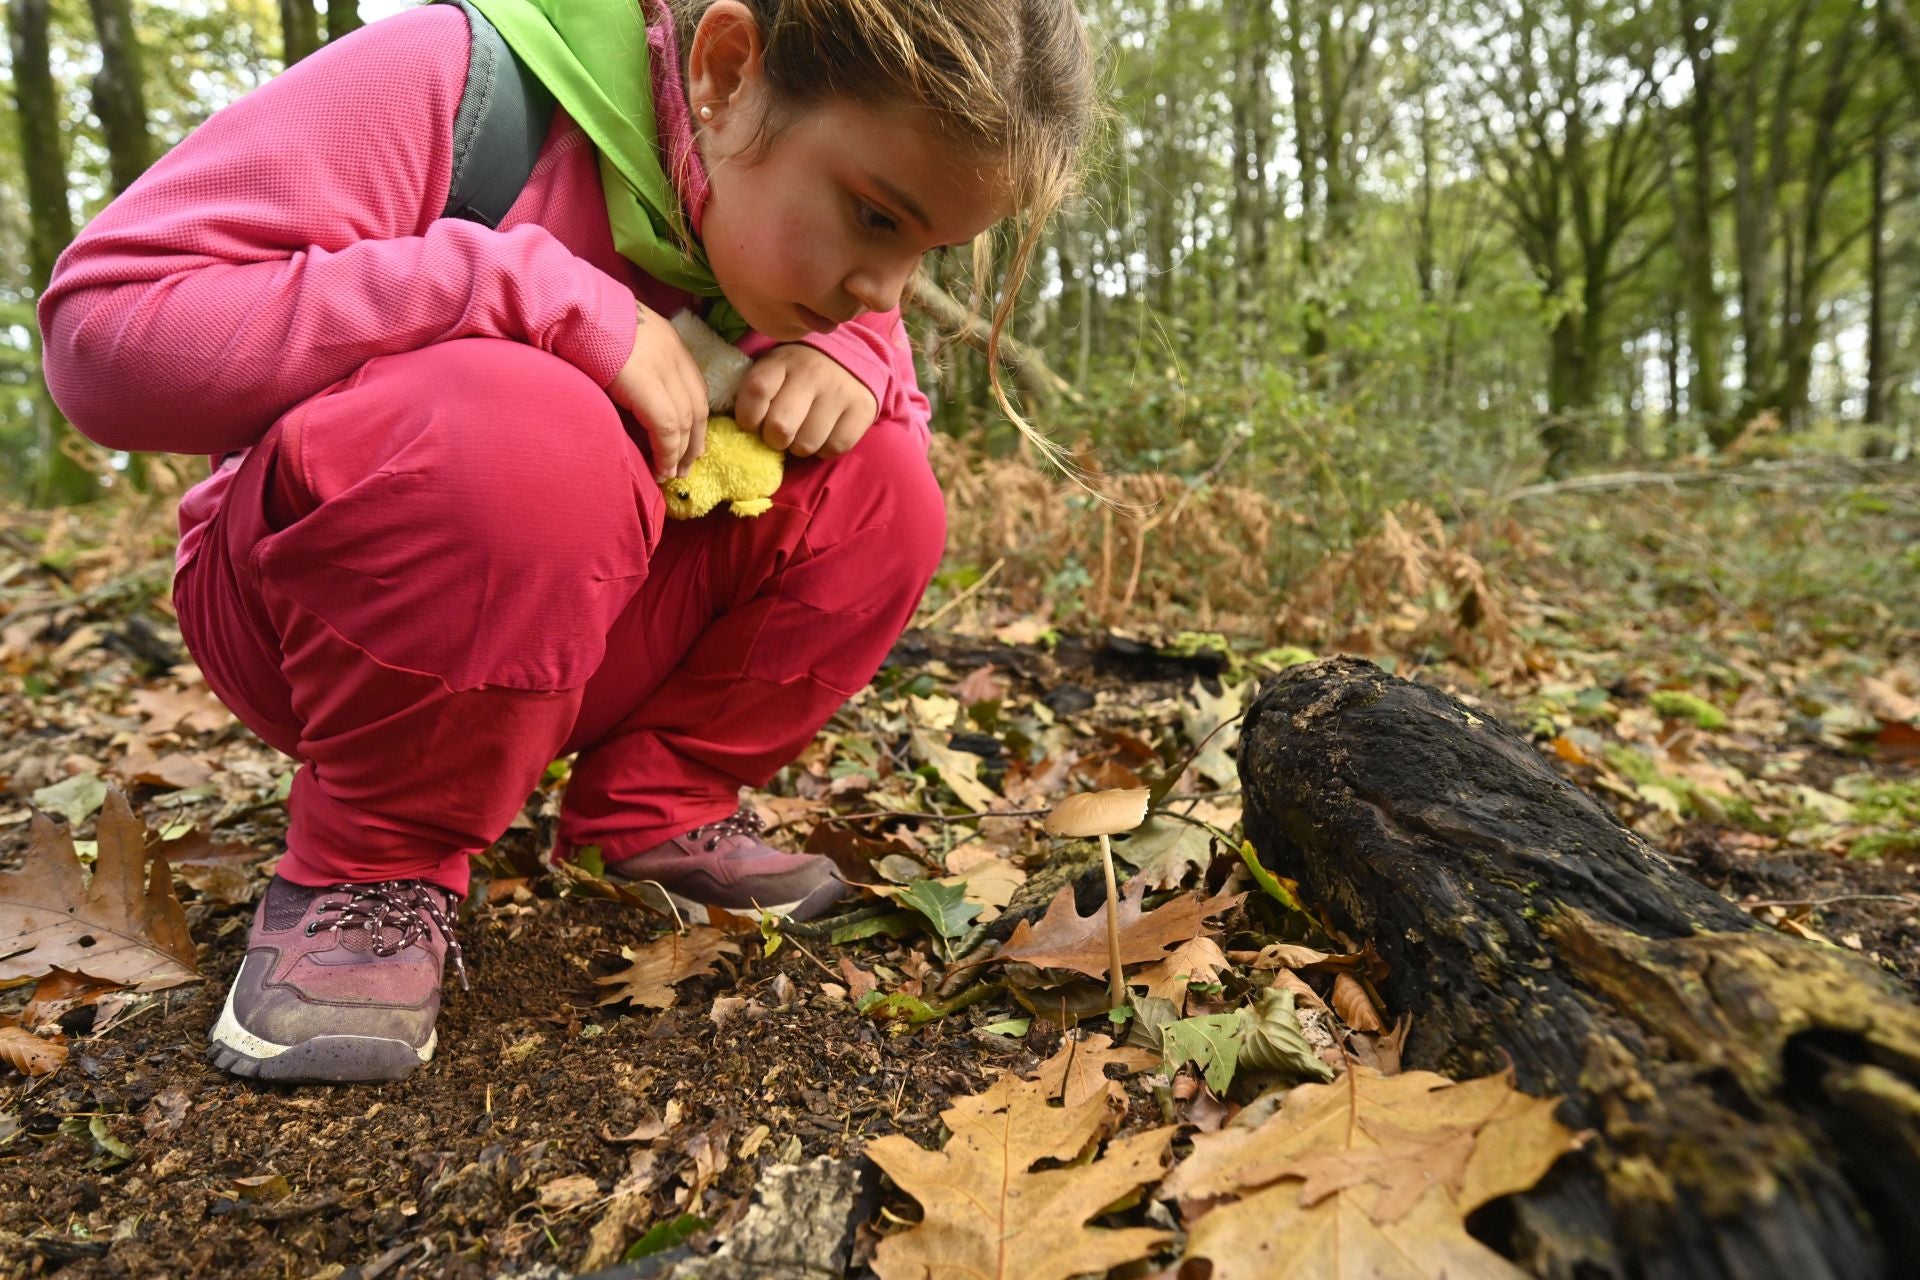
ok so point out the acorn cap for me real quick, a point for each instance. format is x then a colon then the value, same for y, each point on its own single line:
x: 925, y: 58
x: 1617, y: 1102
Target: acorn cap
x: 1098, y: 813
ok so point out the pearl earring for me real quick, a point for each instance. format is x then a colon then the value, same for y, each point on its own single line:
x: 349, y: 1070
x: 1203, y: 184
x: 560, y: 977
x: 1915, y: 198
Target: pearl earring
x: 706, y: 111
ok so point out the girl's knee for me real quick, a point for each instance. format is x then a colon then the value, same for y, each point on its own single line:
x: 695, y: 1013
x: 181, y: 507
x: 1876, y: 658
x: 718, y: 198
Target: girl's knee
x: 890, y: 482
x: 517, y: 442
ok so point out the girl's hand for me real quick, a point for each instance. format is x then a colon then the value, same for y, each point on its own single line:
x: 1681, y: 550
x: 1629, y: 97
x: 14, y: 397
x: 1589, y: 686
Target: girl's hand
x: 804, y: 402
x: 662, y: 386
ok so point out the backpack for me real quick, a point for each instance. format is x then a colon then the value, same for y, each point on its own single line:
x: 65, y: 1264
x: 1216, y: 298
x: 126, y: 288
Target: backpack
x: 503, y: 118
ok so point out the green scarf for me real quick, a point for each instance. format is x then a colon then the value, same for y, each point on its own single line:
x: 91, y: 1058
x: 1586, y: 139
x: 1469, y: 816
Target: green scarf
x: 593, y: 56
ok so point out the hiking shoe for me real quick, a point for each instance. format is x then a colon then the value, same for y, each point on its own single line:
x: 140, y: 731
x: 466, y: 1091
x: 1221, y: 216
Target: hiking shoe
x: 339, y: 984
x: 726, y: 864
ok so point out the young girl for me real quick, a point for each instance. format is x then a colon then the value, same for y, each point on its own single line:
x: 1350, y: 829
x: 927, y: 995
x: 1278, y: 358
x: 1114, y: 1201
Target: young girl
x: 432, y: 556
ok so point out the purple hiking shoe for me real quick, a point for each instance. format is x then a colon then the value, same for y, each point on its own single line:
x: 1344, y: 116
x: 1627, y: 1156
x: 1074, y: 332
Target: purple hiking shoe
x: 726, y: 864
x: 340, y: 984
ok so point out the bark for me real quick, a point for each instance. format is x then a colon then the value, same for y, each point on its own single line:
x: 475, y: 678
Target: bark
x: 1877, y: 373
x: 342, y: 16
x: 37, y: 108
x: 299, y: 29
x: 119, y: 93
x: 1753, y: 1098
x: 56, y: 477
x: 1694, y: 224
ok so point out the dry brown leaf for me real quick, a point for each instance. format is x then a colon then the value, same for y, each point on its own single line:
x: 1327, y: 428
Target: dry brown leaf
x: 988, y: 1215
x: 195, y: 709
x: 568, y: 1192
x: 655, y: 968
x: 1200, y: 960
x: 1064, y: 939
x: 261, y: 1186
x: 61, y: 991
x: 1282, y: 955
x: 1351, y: 1002
x: 29, y: 1054
x: 114, y: 926
x: 1079, y: 1070
x: 1369, y: 1176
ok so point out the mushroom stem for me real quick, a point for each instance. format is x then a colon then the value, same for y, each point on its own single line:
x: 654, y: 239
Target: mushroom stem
x: 1117, y: 977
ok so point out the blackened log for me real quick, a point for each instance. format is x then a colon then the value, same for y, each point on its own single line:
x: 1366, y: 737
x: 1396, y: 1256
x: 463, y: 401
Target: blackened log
x: 1756, y: 1098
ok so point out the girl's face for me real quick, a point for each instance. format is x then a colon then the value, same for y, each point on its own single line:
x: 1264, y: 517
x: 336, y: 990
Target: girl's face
x: 831, y: 217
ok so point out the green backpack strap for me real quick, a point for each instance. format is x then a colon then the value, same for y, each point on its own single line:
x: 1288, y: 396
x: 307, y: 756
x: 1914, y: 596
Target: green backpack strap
x: 502, y: 121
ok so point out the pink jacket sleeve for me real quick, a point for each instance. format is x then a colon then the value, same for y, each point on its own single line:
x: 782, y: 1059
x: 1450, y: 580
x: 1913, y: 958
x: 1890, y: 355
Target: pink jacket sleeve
x: 293, y: 237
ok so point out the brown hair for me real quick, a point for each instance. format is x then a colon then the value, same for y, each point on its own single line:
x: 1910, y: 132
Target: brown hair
x: 1011, y: 78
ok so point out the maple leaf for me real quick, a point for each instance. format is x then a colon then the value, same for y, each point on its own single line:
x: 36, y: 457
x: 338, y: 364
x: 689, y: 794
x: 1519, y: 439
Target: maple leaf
x: 1064, y: 939
x: 1370, y: 1176
x: 29, y: 1054
x: 114, y: 927
x: 988, y: 1214
x: 654, y: 969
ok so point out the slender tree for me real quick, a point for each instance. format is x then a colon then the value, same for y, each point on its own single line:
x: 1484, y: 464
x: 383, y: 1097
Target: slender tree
x: 119, y: 93
x: 299, y: 29
x: 342, y: 16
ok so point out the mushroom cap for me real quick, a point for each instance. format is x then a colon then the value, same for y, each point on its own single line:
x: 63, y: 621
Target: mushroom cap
x: 1098, y: 813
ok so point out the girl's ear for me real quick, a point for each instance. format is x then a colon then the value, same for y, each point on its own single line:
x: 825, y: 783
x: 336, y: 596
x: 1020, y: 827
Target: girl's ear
x: 724, y: 67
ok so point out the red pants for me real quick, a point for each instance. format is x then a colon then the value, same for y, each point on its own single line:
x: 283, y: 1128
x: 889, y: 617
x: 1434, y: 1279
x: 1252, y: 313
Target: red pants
x: 437, y: 576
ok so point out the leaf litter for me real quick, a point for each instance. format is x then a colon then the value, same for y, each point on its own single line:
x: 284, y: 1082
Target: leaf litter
x: 808, y: 1069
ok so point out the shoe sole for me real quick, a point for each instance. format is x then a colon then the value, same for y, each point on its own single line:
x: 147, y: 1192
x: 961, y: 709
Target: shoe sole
x: 321, y: 1060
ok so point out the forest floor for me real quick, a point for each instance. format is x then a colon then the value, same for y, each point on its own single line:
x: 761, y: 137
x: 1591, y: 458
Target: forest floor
x: 1736, y: 674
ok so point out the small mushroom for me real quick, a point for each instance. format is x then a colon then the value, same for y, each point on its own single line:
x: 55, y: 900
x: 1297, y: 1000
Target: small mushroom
x: 1104, y: 814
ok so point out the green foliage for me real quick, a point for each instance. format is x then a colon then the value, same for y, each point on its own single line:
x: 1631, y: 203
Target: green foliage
x: 944, y: 906
x: 1677, y: 704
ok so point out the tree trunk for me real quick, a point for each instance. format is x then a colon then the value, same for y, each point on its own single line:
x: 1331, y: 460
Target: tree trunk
x: 38, y: 110
x: 299, y: 29
x: 1755, y: 1099
x: 342, y: 16
x: 1876, y: 410
x: 119, y: 93
x: 1696, y: 221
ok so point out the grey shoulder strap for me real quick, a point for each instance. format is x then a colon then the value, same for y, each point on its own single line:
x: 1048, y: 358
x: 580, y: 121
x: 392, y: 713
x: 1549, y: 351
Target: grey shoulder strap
x: 497, y: 132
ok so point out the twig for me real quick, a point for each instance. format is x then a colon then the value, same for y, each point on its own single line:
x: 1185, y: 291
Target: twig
x: 1908, y: 898
x: 1733, y: 475
x: 964, y: 596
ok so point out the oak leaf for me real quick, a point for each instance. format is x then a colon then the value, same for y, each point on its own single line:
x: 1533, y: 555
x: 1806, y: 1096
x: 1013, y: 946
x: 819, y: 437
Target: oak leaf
x: 988, y: 1214
x: 1065, y: 939
x: 124, y: 925
x: 653, y: 970
x: 1369, y: 1176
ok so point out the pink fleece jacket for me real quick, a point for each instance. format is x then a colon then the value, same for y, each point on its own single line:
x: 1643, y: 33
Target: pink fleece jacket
x: 297, y: 234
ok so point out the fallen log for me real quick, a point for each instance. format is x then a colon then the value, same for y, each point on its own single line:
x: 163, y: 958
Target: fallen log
x: 1755, y: 1098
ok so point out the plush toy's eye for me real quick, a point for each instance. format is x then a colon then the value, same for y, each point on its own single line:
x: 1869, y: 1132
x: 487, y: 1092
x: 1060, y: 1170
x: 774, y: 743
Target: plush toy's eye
x: 685, y: 495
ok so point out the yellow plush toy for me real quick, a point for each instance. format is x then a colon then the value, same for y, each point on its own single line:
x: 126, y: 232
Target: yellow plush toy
x: 738, y: 467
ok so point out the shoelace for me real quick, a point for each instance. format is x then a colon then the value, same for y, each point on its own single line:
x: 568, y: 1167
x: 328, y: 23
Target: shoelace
x: 742, y: 822
x: 397, y: 904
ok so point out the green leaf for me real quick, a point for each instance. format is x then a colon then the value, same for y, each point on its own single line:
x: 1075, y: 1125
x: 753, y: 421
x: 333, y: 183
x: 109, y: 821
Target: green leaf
x: 944, y: 905
x: 1267, y: 880
x: 1009, y: 1026
x: 1273, y: 1041
x: 589, y: 860
x: 1151, y: 1015
x: 662, y: 1236
x: 897, y: 924
x: 770, y: 937
x: 1211, y: 1042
